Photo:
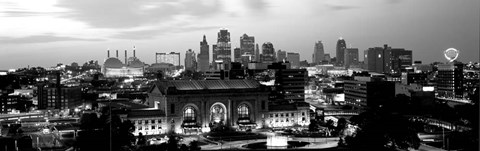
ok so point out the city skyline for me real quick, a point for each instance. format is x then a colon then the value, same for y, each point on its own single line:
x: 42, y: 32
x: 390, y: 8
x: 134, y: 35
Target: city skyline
x: 49, y: 32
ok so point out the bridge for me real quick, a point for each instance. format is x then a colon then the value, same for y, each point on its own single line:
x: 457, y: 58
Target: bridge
x: 440, y: 123
x: 5, y: 117
x: 342, y: 112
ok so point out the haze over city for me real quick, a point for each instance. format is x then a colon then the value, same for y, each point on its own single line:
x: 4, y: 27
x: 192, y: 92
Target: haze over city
x: 44, y: 33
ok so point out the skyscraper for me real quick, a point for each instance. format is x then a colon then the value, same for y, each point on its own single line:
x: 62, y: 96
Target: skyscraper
x: 341, y: 45
x: 351, y: 57
x: 281, y: 55
x: 172, y: 58
x: 318, y: 53
x: 204, y: 56
x: 400, y: 59
x: 247, y: 45
x: 237, y: 55
x: 257, y: 53
x: 268, y: 53
x: 223, y: 48
x: 374, y: 59
x: 327, y: 57
x: 294, y: 59
x: 214, y: 53
x: 190, y: 61
x: 450, y: 80
x: 387, y: 59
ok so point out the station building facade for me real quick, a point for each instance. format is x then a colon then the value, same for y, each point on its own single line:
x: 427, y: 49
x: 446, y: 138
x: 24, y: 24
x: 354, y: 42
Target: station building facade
x: 200, y: 106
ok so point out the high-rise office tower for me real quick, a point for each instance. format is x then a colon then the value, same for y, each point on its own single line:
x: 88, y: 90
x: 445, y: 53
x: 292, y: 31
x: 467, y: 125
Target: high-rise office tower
x: 318, y: 53
x: 400, y: 59
x: 268, y: 53
x: 237, y: 55
x: 172, y: 58
x: 341, y: 45
x: 247, y: 45
x: 223, y: 51
x: 257, y: 53
x: 351, y: 57
x: 204, y: 56
x: 374, y: 59
x: 294, y: 59
x: 190, y: 61
x: 450, y: 80
x: 327, y: 57
x: 387, y: 59
x: 214, y: 53
x: 281, y: 55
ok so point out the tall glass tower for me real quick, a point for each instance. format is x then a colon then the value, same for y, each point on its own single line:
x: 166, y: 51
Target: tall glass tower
x: 341, y: 45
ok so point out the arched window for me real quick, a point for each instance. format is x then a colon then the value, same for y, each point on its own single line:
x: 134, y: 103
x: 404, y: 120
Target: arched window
x: 243, y: 111
x: 189, y: 114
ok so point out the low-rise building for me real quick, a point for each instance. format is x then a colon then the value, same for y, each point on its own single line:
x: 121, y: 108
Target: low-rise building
x: 288, y: 115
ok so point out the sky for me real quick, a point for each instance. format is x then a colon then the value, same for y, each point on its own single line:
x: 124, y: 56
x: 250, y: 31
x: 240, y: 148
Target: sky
x: 47, y: 32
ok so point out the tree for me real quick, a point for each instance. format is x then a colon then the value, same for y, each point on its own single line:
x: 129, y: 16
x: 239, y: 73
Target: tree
x: 183, y: 147
x: 89, y: 121
x: 329, y: 124
x: 383, y: 131
x: 141, y: 139
x: 194, y: 146
x: 172, y: 144
x: 341, y: 124
x: 96, y: 132
x: 313, y: 127
x: 160, y: 75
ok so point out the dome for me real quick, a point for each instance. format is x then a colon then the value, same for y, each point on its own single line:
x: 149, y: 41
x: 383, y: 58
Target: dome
x: 113, y: 63
x: 136, y: 64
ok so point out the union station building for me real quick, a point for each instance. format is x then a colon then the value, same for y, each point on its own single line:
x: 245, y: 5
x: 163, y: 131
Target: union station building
x: 201, y: 106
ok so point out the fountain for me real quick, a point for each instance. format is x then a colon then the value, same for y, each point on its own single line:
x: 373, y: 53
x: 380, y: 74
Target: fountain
x: 277, y: 141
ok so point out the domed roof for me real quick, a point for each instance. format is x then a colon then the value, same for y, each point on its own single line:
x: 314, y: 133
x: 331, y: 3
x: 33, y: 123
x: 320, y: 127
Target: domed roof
x: 136, y: 64
x: 113, y: 63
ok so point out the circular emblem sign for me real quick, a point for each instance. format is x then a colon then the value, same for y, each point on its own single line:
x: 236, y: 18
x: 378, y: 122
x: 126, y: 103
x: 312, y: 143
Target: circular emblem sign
x: 451, y: 54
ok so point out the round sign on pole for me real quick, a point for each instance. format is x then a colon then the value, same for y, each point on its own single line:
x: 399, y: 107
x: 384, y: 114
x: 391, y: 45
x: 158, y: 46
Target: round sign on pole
x: 451, y: 54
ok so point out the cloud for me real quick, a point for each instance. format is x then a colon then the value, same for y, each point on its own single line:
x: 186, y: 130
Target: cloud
x: 152, y: 33
x: 24, y: 13
x: 256, y: 5
x: 339, y: 7
x: 128, y: 13
x: 41, y: 39
x: 393, y: 1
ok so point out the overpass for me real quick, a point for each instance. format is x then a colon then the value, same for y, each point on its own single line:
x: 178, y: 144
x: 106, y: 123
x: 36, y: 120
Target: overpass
x: 440, y: 123
x: 342, y: 112
x: 5, y: 117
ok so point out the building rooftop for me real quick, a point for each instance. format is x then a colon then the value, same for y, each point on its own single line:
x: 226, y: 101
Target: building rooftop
x: 113, y: 63
x: 145, y: 113
x: 124, y: 104
x: 209, y: 84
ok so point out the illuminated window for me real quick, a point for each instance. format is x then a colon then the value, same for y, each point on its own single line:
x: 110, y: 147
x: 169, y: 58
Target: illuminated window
x: 243, y: 111
x: 189, y: 114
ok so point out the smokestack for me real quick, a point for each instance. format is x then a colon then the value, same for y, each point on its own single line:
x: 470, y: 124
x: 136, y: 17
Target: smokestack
x: 117, y: 54
x: 125, y: 56
x: 134, y: 51
x: 108, y: 53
